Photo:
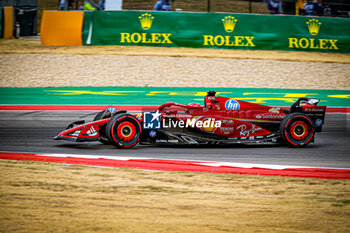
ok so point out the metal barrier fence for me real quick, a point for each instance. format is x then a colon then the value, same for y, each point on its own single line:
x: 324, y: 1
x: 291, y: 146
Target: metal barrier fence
x: 338, y: 8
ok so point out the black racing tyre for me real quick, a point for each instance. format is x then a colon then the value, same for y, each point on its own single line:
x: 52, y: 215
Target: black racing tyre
x: 103, y: 139
x: 123, y: 130
x: 297, y: 130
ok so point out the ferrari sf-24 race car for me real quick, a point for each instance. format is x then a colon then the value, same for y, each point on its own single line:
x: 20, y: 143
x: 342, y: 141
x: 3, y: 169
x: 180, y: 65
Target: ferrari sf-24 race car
x: 220, y: 121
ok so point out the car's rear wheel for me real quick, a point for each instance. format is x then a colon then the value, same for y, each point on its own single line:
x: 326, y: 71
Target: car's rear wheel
x: 123, y: 130
x: 297, y: 130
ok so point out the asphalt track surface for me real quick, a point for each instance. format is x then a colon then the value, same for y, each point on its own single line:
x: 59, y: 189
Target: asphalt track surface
x: 33, y: 131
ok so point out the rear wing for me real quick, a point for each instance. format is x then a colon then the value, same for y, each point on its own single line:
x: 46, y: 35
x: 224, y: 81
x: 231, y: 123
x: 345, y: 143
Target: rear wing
x: 309, y: 107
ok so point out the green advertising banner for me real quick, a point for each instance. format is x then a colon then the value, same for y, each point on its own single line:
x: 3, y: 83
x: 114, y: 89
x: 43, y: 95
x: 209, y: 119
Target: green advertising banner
x: 217, y: 30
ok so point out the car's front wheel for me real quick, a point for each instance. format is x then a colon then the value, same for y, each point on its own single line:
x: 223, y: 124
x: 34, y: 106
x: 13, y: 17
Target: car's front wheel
x: 123, y: 130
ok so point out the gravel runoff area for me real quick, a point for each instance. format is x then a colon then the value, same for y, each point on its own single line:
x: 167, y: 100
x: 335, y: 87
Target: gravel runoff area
x: 42, y: 70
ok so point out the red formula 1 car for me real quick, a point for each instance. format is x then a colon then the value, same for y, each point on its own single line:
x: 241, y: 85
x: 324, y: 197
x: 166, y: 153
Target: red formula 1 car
x: 220, y: 121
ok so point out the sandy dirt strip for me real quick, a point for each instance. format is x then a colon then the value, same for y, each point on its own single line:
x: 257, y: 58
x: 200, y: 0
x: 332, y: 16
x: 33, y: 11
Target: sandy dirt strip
x: 39, y: 197
x: 41, y: 70
x: 25, y: 63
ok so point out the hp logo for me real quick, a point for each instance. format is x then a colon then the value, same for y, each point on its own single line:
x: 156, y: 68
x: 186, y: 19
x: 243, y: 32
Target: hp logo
x: 232, y: 105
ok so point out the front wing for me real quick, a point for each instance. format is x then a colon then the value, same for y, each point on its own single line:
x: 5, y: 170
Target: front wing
x: 80, y: 132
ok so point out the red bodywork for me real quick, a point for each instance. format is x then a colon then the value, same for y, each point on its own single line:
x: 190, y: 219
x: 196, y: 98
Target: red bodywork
x: 84, y: 132
x: 234, y: 123
x: 239, y: 119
